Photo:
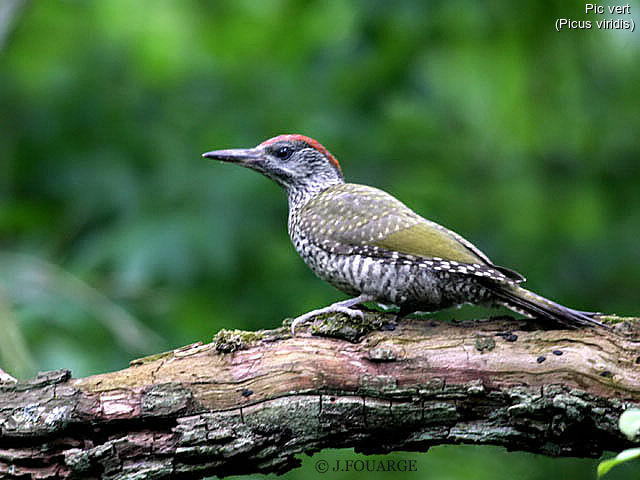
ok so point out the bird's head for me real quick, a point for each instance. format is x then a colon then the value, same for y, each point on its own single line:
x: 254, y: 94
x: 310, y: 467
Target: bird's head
x: 295, y: 162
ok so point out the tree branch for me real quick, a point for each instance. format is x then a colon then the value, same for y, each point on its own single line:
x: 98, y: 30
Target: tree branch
x: 250, y: 401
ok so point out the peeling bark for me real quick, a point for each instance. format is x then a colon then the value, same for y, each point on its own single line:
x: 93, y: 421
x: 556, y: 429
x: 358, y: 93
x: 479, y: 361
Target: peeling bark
x: 250, y: 401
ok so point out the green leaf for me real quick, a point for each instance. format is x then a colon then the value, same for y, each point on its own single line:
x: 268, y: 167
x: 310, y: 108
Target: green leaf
x: 630, y: 423
x: 623, y: 456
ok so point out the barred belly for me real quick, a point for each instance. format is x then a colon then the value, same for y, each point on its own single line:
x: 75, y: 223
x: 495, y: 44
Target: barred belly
x: 410, y: 284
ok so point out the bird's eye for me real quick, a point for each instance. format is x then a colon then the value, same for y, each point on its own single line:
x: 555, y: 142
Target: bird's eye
x: 283, y: 152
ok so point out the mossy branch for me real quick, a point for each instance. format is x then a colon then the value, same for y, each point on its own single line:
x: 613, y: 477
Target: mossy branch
x: 251, y: 401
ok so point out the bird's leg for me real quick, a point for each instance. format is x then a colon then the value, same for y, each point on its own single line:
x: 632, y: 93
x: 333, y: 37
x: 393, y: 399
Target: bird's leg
x: 342, y: 307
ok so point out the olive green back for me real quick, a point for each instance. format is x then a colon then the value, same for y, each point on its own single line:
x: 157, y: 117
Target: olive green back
x: 352, y: 214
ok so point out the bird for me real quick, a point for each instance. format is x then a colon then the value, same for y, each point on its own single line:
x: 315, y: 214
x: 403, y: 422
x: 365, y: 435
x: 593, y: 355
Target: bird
x: 370, y: 245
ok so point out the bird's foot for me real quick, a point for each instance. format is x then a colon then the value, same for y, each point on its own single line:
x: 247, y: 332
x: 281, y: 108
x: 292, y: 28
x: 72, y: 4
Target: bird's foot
x: 338, y: 307
x: 350, y: 312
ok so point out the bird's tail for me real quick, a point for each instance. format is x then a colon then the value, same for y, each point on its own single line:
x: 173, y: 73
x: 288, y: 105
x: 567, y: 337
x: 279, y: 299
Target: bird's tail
x: 533, y: 305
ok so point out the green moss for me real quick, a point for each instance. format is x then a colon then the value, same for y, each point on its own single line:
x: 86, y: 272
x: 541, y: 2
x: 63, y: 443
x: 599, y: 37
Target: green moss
x: 227, y: 341
x: 483, y: 343
x: 338, y: 325
x: 615, y: 319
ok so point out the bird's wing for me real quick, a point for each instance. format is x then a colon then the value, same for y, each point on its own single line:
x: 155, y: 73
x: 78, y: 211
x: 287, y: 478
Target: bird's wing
x: 353, y: 218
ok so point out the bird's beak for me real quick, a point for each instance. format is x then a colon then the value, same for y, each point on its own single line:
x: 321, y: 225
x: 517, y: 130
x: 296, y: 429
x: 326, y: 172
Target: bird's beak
x: 235, y: 155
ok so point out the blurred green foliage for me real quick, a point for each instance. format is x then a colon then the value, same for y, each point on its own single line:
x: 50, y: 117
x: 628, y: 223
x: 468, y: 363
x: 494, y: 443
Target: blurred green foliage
x: 118, y: 240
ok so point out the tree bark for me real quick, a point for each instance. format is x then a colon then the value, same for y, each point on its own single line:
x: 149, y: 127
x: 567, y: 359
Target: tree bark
x: 250, y: 401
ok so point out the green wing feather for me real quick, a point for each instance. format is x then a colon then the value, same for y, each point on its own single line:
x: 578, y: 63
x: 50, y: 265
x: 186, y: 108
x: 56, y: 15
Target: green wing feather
x: 427, y: 240
x: 354, y: 214
x: 359, y: 215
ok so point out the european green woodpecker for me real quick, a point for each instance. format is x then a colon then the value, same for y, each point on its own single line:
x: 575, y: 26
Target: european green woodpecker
x: 371, y: 246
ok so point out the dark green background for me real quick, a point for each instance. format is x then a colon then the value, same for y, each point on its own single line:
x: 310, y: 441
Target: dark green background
x: 118, y: 240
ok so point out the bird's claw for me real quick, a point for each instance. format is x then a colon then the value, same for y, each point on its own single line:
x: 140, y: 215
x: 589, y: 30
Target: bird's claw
x: 350, y: 312
x: 340, y: 307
